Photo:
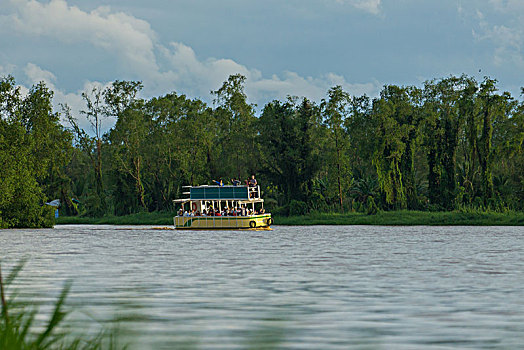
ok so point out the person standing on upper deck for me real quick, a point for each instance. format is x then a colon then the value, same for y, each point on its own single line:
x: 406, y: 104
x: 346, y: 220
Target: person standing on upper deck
x: 252, y: 182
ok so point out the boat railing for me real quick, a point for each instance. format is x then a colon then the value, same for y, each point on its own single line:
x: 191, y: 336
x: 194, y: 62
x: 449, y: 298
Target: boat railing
x: 254, y: 191
x: 221, y: 216
x: 211, y: 221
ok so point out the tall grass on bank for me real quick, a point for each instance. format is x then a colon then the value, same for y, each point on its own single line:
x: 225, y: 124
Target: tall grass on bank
x: 19, y: 332
x: 153, y: 218
x: 408, y: 218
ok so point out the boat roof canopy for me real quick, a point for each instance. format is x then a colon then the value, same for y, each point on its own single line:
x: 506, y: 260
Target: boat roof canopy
x: 217, y: 193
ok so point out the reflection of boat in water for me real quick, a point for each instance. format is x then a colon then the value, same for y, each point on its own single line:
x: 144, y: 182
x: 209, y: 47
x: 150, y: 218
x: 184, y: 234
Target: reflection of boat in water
x: 243, y: 206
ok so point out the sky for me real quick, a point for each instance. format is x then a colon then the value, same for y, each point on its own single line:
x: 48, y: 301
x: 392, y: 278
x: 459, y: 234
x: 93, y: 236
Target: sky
x: 283, y: 47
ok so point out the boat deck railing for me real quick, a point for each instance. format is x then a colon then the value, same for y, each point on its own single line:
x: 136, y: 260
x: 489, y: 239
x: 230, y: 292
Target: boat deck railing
x: 253, y: 191
x: 211, y: 221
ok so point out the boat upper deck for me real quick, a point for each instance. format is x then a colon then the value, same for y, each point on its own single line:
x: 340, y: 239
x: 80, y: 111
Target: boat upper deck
x: 221, y: 193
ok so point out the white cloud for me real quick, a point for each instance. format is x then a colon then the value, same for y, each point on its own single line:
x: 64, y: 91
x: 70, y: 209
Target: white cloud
x: 502, y: 24
x: 515, y: 6
x: 36, y: 74
x: 211, y: 73
x: 162, y: 68
x: 187, y: 72
x: 6, y: 70
x: 313, y: 88
x: 371, y: 6
x: 132, y: 40
x: 74, y: 100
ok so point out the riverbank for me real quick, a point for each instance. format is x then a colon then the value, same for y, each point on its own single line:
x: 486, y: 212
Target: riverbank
x: 409, y: 218
x: 403, y: 217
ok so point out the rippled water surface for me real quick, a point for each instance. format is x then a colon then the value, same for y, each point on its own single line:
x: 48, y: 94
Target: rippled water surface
x: 316, y: 287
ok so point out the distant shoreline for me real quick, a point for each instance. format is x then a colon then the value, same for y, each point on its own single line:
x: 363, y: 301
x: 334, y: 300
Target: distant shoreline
x: 389, y: 218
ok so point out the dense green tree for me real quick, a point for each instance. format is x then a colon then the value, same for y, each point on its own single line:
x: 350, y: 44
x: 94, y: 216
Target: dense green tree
x: 493, y: 109
x: 129, y: 137
x: 442, y: 129
x: 450, y: 144
x: 128, y: 141
x: 289, y: 156
x: 51, y: 143
x: 182, y: 147
x: 335, y: 110
x: 33, y: 151
x: 398, y: 116
x: 21, y: 198
x: 236, y: 129
x: 91, y: 143
x: 361, y: 130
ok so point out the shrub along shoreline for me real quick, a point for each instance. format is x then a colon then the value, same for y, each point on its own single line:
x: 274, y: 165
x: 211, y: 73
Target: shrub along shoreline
x: 383, y: 218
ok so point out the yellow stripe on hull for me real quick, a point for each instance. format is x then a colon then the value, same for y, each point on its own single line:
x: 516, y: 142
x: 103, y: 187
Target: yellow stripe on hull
x: 222, y: 222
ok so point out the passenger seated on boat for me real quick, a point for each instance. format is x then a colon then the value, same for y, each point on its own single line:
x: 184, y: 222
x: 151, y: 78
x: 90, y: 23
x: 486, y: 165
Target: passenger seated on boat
x: 186, y: 213
x: 217, y: 213
x: 197, y: 213
x: 243, y: 211
x: 235, y: 182
x: 180, y: 212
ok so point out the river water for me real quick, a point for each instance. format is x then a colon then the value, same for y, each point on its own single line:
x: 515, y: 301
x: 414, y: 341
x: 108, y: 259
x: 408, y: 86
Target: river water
x: 315, y: 287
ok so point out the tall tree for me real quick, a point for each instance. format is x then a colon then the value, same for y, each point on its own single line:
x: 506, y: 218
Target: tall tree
x: 444, y: 101
x: 33, y: 149
x: 130, y: 134
x: 91, y: 144
x: 236, y: 133
x: 183, y: 148
x: 288, y: 152
x: 361, y: 127
x: 492, y: 109
x: 94, y: 114
x: 398, y: 116
x: 335, y: 111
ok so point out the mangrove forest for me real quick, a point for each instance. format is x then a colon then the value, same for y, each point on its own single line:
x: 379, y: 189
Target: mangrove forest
x: 452, y: 143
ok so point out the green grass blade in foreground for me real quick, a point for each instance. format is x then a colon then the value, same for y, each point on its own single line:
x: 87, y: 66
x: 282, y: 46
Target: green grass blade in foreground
x: 17, y: 324
x: 47, y: 338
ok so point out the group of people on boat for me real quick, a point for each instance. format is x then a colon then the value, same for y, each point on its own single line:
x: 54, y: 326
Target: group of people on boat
x: 251, y: 182
x: 242, y: 211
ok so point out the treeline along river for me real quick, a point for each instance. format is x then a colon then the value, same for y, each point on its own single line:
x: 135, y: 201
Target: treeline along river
x: 317, y: 287
x: 453, y: 143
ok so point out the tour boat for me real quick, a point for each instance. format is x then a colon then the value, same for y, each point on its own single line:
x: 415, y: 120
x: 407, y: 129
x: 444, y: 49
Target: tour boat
x: 243, y: 205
